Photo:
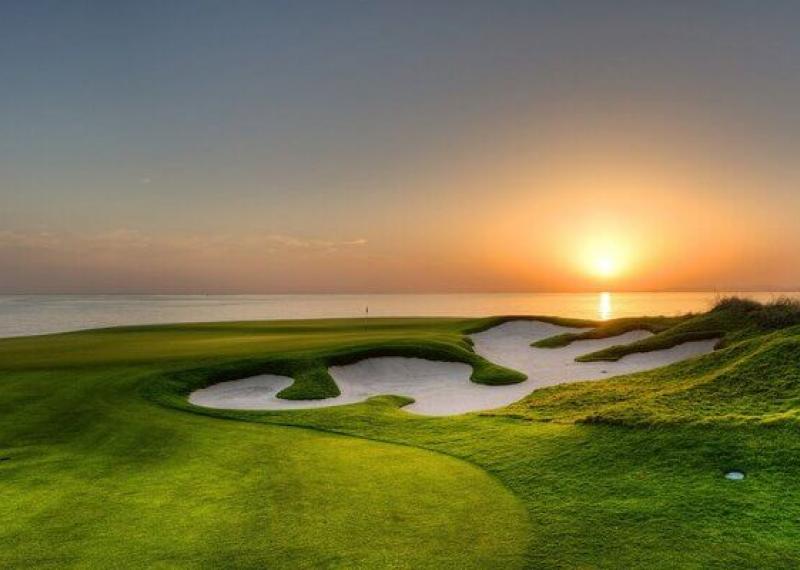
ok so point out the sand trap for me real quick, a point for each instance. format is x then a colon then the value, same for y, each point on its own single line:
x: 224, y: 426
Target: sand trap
x: 509, y: 345
x: 444, y: 388
x: 423, y: 380
x: 254, y: 393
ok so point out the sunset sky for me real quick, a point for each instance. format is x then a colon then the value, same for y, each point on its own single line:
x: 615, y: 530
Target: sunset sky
x: 264, y: 147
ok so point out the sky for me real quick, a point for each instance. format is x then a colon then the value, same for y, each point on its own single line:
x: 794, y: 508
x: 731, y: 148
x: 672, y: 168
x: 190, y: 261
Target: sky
x: 366, y: 146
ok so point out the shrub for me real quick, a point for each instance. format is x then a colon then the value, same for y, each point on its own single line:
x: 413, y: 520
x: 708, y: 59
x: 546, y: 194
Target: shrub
x: 736, y: 304
x: 780, y: 313
x: 777, y: 314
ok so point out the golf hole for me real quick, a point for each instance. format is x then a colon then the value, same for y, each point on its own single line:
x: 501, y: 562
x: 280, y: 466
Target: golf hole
x: 734, y: 475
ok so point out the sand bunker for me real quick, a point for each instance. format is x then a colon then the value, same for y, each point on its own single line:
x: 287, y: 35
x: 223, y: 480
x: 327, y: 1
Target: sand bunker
x: 423, y: 380
x: 444, y: 388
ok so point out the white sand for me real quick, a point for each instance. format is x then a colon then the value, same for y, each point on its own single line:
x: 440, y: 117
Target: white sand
x: 444, y: 388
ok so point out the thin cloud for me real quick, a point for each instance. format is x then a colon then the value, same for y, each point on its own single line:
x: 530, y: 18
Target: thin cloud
x: 127, y: 240
x: 293, y: 242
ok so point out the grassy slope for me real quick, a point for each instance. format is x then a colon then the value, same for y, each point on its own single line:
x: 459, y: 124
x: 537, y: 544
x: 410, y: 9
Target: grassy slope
x: 754, y: 377
x: 301, y: 349
x: 99, y: 476
x: 613, y: 497
x: 731, y: 320
x: 136, y: 486
x: 755, y: 380
x: 595, y: 495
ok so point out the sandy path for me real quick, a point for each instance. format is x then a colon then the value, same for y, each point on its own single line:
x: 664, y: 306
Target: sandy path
x: 444, y: 388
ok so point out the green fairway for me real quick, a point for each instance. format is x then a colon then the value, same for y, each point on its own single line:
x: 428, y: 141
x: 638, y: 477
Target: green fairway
x: 137, y: 486
x: 100, y: 476
x: 107, y: 465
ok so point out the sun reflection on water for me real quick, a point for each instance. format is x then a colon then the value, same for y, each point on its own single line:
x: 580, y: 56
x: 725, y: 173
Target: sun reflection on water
x: 604, y: 306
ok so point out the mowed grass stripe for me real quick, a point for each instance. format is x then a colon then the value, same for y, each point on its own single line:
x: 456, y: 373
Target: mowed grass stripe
x: 101, y: 477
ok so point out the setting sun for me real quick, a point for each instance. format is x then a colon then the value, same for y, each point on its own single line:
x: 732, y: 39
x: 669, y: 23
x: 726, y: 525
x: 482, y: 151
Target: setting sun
x: 605, y: 258
x: 605, y: 266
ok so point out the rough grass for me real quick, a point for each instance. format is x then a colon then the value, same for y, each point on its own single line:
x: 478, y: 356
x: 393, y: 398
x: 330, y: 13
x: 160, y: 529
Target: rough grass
x: 779, y: 313
x: 753, y: 378
x: 611, y: 328
x: 731, y: 319
x: 107, y: 468
x: 661, y: 341
x: 756, y: 380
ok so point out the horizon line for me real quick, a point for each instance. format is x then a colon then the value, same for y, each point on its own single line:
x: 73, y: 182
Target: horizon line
x: 358, y: 293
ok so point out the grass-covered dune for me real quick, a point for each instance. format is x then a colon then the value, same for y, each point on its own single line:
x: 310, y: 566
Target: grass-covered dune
x: 106, y: 464
x: 754, y: 376
x: 731, y: 319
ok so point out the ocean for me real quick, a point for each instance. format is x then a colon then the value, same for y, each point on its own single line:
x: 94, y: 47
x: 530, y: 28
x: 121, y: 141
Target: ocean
x: 40, y: 314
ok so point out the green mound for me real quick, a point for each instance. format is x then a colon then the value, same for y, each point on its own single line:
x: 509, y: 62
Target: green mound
x: 731, y: 319
x: 755, y: 377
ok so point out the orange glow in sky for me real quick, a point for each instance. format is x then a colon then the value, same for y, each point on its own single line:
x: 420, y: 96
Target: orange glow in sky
x: 605, y: 266
x: 404, y: 147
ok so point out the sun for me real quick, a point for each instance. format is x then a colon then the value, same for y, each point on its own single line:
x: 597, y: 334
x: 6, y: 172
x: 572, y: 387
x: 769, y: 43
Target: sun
x: 604, y: 257
x: 604, y: 261
x: 605, y: 266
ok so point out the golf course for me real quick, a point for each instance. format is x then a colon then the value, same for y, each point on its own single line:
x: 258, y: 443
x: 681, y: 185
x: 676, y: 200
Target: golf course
x: 107, y: 463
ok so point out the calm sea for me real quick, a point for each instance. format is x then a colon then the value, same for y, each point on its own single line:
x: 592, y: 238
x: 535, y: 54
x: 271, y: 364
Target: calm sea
x: 38, y: 314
